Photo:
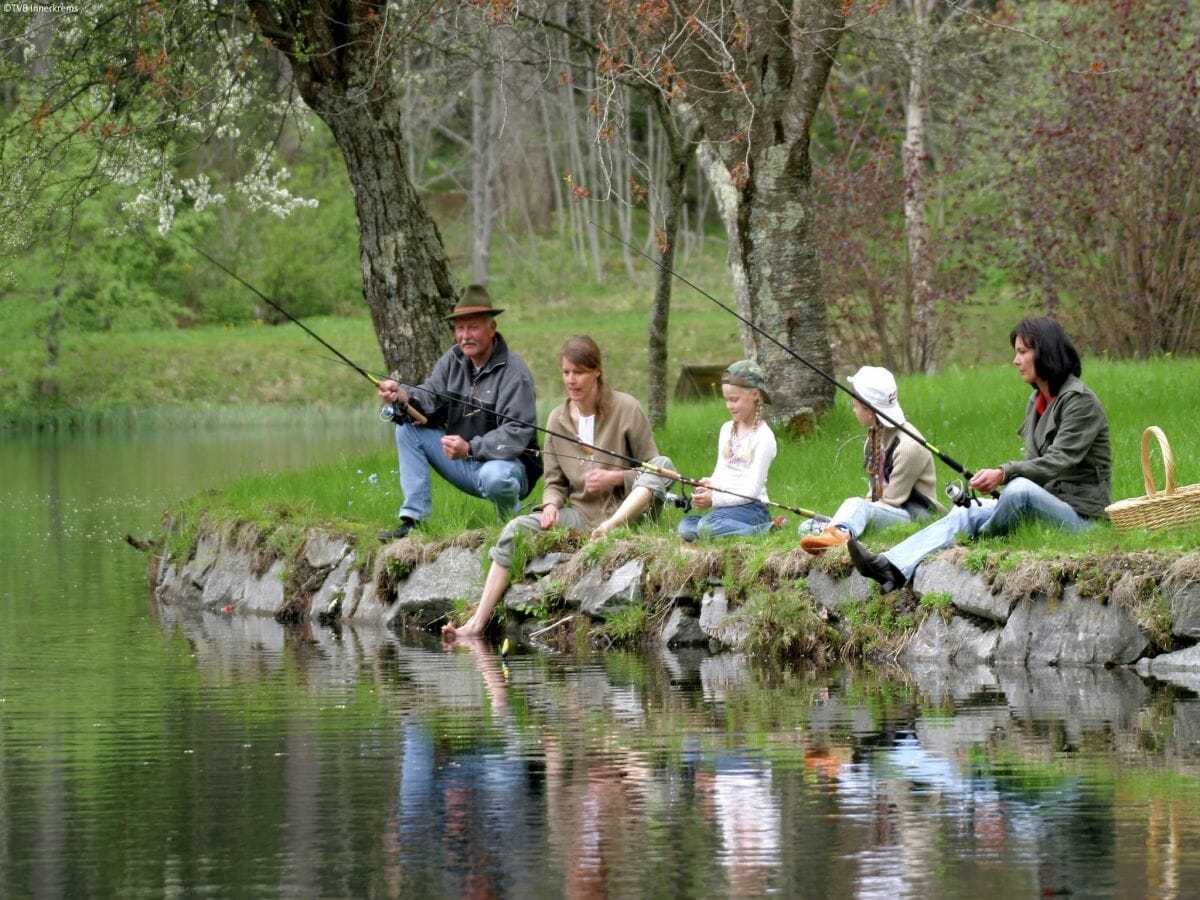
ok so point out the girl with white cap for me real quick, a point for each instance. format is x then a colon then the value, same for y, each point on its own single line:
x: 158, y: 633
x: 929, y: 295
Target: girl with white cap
x: 901, y: 481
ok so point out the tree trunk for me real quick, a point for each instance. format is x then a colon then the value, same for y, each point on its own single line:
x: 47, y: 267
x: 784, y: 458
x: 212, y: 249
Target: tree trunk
x: 483, y: 166
x: 728, y: 200
x: 340, y: 67
x: 781, y: 71
x: 916, y: 226
x: 678, y: 159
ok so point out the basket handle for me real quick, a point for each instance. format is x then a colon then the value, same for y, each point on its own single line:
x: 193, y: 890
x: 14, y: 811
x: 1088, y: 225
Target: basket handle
x: 1168, y: 460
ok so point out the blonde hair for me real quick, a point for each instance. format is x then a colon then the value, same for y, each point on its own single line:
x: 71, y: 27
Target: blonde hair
x: 750, y: 447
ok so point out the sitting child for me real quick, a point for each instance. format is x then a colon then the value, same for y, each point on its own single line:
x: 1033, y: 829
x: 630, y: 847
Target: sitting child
x: 745, y: 449
x: 901, y: 482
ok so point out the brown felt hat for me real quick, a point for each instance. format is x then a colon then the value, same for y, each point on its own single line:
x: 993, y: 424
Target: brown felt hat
x: 475, y: 301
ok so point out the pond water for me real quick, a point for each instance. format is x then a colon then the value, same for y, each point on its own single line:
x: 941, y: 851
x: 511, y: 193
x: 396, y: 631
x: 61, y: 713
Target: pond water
x: 165, y: 752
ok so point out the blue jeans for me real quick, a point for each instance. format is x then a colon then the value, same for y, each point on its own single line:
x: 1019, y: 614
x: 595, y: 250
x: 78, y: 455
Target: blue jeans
x: 727, y: 521
x: 502, y: 481
x: 857, y: 513
x: 1021, y: 499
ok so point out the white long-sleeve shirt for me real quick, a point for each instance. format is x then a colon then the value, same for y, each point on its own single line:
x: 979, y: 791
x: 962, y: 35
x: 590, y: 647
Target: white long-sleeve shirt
x: 745, y: 469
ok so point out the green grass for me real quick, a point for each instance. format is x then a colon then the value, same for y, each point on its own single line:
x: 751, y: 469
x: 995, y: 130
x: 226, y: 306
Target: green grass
x: 971, y: 414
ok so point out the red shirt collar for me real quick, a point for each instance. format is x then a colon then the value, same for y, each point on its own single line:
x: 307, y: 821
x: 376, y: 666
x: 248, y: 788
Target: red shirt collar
x: 1042, y: 403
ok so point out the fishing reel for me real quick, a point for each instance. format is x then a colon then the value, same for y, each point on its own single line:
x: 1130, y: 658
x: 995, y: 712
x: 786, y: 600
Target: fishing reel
x: 683, y: 501
x: 395, y: 412
x: 959, y: 494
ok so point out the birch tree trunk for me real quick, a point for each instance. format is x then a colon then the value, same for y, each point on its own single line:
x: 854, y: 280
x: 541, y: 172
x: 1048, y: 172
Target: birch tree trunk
x: 920, y: 346
x: 483, y: 167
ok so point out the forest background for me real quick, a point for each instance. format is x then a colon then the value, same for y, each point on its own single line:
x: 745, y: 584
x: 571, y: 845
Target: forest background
x: 966, y: 163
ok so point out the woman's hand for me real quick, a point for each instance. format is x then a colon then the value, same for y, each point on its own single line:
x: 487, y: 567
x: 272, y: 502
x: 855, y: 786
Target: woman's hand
x: 702, y: 494
x: 549, y: 516
x: 600, y: 481
x: 987, y: 480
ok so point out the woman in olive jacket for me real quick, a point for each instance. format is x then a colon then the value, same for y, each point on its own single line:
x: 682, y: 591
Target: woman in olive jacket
x: 1065, y: 477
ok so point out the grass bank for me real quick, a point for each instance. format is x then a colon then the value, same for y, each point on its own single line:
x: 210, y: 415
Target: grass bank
x: 971, y: 414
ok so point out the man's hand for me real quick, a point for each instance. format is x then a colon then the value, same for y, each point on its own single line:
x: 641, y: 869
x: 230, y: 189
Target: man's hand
x: 549, y: 517
x: 702, y: 495
x: 987, y: 480
x: 391, y: 392
x: 455, y: 447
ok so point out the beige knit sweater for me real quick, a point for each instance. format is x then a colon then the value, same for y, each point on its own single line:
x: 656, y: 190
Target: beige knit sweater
x: 624, y: 429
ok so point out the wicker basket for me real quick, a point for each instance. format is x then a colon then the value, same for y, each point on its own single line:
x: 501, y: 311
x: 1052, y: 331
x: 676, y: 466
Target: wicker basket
x: 1170, y: 508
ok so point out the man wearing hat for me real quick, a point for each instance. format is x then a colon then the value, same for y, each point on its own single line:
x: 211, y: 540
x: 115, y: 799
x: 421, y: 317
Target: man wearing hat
x: 480, y: 446
x: 901, y: 481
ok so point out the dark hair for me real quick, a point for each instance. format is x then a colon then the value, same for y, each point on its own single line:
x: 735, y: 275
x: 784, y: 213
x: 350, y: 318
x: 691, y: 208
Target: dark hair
x: 1055, y: 357
x: 583, y: 352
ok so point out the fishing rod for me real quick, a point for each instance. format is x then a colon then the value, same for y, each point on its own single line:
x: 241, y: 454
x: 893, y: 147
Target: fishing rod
x: 410, y: 411
x: 629, y: 462
x: 944, y: 457
x: 682, y: 479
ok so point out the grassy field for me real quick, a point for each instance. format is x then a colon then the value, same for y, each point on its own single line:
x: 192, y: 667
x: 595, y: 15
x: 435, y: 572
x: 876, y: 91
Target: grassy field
x: 970, y: 409
x: 971, y: 414
x: 547, y: 294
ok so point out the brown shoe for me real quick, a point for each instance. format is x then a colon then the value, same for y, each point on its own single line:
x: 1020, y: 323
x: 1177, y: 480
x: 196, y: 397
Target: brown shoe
x: 832, y: 536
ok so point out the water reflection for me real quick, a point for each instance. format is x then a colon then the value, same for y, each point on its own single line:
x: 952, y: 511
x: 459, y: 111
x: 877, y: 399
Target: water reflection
x: 704, y: 775
x: 149, y: 750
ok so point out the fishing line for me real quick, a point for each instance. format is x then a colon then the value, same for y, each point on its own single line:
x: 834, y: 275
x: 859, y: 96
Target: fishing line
x: 682, y: 479
x: 944, y: 457
x: 411, y: 412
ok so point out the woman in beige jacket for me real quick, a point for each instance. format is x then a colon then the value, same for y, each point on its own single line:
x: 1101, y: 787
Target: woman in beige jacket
x: 584, y: 487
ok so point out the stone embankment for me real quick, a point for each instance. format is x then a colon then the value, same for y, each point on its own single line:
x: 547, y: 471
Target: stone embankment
x: 964, y: 608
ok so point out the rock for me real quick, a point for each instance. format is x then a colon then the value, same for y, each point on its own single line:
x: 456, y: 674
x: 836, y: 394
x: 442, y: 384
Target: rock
x: 600, y: 597
x: 226, y: 581
x: 1182, y: 590
x: 331, y: 595
x: 429, y: 592
x: 371, y: 605
x: 525, y: 596
x: 174, y: 588
x: 323, y: 551
x: 683, y: 630
x: 833, y: 593
x: 541, y: 566
x: 969, y: 591
x: 207, y: 550
x: 957, y: 640
x: 714, y: 607
x: 1070, y: 631
x: 352, y: 595
x: 716, y: 622
x: 264, y: 594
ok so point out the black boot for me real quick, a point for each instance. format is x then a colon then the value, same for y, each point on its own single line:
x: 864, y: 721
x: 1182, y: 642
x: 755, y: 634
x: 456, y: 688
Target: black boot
x: 406, y: 525
x: 877, y: 568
